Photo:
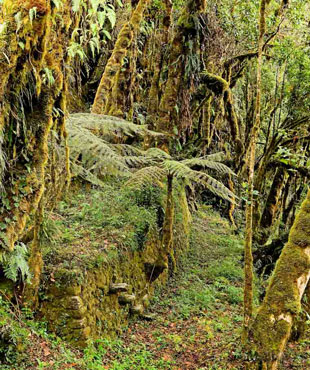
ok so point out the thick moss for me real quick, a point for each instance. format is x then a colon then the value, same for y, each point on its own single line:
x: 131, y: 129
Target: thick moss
x: 104, y: 102
x: 273, y: 323
x: 77, y: 299
x: 32, y: 46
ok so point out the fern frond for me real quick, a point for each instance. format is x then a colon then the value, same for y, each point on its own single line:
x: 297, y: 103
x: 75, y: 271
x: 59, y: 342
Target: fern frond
x: 108, y: 127
x: 177, y: 169
x: 218, y: 157
x: 139, y: 161
x: 16, y: 264
x: 146, y: 176
x: 182, y: 171
x: 94, y: 154
x: 127, y: 150
x: 216, y: 187
x: 83, y: 173
x: 157, y: 153
x: 206, y: 163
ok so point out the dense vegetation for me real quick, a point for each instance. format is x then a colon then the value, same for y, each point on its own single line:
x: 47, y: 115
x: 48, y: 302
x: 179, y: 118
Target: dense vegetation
x: 124, y: 127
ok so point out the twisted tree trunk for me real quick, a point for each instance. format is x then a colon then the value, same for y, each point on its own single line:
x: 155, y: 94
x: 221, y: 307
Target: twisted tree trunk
x: 273, y: 324
x: 104, y: 97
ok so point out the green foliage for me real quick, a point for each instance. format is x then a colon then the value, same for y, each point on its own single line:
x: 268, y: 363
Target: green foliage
x: 94, y: 154
x: 100, y: 224
x: 15, y: 263
x: 181, y: 170
x: 14, y: 336
x: 110, y: 128
x: 133, y: 357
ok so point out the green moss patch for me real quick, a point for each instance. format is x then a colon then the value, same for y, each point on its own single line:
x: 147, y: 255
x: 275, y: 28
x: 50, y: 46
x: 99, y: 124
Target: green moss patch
x: 97, y: 225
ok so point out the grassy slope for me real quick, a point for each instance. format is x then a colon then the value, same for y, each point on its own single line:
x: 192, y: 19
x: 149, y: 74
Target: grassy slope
x: 199, y: 316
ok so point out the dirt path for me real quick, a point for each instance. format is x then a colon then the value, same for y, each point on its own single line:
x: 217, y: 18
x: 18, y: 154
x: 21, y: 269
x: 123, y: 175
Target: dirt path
x: 199, y: 315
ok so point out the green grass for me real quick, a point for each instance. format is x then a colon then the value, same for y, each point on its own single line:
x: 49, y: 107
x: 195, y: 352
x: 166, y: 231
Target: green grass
x: 96, y: 225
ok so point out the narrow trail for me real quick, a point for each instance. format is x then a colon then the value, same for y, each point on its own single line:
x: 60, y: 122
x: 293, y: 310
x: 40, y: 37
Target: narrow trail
x: 199, y: 314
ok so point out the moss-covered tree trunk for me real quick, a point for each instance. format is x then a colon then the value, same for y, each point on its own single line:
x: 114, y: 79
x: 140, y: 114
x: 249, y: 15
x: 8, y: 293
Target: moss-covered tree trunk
x: 288, y: 210
x: 161, y: 43
x: 248, y: 257
x: 104, y: 97
x: 273, y: 324
x: 167, y: 237
x: 272, y: 205
x: 33, y: 77
x: 167, y: 111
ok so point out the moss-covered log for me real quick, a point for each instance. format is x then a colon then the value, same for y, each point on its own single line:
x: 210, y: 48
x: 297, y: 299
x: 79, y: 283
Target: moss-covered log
x: 273, y: 324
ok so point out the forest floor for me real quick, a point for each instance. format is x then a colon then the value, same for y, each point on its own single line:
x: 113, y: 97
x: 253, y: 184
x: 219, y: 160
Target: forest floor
x: 199, y: 314
x: 197, y: 324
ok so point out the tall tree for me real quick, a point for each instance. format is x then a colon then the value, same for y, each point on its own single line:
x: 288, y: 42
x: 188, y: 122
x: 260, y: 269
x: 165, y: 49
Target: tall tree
x: 248, y: 258
x: 104, y: 100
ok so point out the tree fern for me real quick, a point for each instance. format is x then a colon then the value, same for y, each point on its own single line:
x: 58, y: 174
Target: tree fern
x: 110, y: 128
x: 181, y: 171
x: 93, y: 156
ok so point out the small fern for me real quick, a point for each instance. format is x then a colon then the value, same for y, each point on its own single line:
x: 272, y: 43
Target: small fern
x: 15, y: 264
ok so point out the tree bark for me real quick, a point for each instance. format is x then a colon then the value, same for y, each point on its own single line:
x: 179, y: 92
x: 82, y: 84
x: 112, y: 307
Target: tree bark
x: 167, y: 238
x: 104, y: 97
x: 273, y: 324
x: 272, y: 205
x: 248, y: 257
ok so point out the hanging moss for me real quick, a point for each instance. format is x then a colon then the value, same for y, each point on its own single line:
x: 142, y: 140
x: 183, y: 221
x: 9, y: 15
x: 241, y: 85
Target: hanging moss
x: 32, y: 46
x: 220, y: 87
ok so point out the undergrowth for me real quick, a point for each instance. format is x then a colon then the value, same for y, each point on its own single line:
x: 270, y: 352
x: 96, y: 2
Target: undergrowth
x: 97, y: 224
x: 197, y: 327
